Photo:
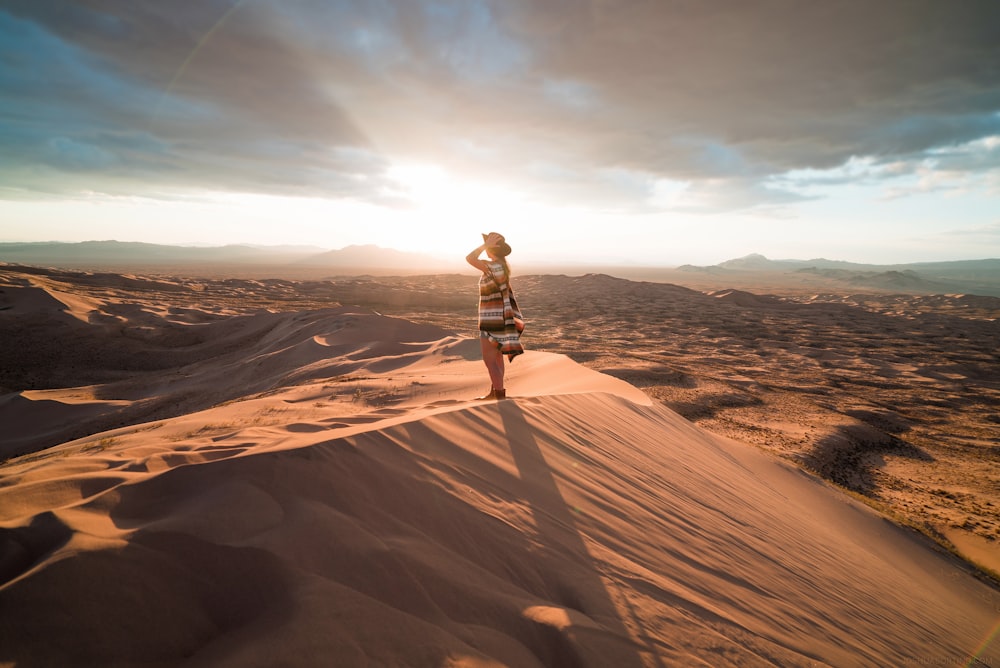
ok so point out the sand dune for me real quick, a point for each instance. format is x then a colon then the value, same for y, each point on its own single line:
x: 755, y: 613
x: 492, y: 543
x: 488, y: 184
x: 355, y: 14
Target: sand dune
x: 320, y: 488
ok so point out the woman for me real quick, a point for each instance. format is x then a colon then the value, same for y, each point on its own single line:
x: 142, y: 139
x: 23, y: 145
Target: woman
x: 500, y: 321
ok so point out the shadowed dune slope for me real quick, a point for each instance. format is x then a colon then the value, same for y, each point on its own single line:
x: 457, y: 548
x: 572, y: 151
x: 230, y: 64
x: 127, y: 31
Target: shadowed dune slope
x: 582, y: 527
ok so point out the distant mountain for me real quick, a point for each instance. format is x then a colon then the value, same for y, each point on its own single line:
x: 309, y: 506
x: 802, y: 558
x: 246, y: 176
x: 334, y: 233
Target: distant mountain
x: 138, y: 253
x: 757, y: 262
x: 752, y: 262
x: 981, y: 277
x: 975, y: 276
x: 127, y: 255
x: 962, y: 269
x: 902, y: 281
x: 372, y: 257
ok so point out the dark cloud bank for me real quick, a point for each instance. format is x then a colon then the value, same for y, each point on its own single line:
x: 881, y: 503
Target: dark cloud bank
x: 311, y: 97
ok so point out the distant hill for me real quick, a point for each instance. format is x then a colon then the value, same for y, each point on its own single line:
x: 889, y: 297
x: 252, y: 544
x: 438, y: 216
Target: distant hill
x: 975, y: 276
x: 372, y: 257
x: 118, y: 255
x: 897, y: 281
x: 752, y: 262
x: 981, y: 277
x: 89, y: 252
x: 758, y: 262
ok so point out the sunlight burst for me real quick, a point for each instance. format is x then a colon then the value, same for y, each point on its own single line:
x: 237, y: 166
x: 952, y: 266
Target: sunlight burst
x: 452, y: 211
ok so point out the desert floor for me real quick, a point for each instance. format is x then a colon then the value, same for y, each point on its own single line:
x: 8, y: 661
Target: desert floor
x: 109, y: 382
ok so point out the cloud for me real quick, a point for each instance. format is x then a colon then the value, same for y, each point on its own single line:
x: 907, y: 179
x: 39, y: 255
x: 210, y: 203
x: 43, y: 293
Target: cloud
x: 737, y: 195
x: 567, y: 101
x: 985, y: 233
x: 965, y: 168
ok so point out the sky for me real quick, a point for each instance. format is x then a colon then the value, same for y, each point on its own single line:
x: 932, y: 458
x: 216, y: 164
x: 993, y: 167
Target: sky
x: 611, y: 131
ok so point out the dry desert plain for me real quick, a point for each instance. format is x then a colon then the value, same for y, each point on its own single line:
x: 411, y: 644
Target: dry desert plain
x: 268, y: 471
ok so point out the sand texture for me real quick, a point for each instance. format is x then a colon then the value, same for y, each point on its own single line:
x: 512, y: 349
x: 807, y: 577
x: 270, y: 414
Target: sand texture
x: 274, y: 472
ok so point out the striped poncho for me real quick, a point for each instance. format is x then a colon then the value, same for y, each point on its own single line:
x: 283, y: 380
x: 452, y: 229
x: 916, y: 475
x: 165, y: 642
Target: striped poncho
x: 499, y: 315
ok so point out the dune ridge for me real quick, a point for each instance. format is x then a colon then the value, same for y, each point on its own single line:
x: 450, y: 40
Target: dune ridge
x: 331, y: 493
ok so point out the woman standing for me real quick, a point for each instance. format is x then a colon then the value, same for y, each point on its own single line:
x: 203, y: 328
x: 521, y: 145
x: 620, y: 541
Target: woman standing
x: 500, y: 321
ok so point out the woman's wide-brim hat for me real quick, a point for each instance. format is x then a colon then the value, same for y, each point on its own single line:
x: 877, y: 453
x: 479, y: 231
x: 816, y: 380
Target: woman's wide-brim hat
x: 502, y: 249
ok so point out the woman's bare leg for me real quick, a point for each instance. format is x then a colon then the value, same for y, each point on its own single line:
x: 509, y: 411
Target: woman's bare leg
x: 494, y: 362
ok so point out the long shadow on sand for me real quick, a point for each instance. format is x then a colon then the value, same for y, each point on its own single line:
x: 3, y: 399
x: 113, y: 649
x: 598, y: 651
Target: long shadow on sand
x: 582, y: 588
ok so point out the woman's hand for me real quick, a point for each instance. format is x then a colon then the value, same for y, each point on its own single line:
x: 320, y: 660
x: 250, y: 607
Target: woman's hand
x: 493, y: 239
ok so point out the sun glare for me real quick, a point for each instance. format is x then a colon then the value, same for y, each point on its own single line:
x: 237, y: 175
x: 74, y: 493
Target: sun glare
x: 452, y: 210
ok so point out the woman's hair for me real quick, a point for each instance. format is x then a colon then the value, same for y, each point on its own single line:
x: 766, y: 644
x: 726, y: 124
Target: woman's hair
x: 506, y: 267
